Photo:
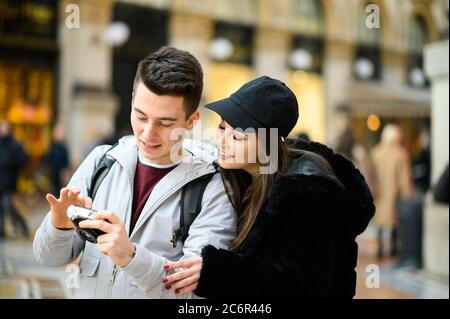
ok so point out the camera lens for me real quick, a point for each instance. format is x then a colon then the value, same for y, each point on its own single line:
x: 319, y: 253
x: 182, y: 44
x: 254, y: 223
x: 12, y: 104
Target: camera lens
x: 88, y: 235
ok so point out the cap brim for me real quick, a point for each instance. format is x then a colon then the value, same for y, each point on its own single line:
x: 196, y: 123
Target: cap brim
x: 233, y: 114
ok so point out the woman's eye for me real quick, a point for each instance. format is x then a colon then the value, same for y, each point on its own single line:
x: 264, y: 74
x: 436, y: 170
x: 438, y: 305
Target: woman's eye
x: 165, y: 125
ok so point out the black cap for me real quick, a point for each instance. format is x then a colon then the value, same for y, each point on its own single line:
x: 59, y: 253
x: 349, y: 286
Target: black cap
x: 261, y: 103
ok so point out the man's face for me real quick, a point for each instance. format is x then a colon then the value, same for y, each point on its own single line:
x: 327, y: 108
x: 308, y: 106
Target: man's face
x: 153, y: 118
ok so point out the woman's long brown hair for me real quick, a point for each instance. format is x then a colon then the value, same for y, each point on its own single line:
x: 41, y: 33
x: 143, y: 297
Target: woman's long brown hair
x: 248, y: 196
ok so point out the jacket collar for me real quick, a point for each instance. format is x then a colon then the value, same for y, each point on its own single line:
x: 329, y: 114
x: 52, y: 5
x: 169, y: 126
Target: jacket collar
x: 125, y: 153
x: 200, y: 156
x: 310, y: 164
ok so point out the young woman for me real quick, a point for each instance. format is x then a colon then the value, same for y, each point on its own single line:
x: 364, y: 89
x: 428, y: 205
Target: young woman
x: 298, y: 223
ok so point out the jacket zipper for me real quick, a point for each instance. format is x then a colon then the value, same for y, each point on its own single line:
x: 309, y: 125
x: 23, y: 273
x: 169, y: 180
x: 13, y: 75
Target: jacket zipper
x: 111, y: 282
x: 113, y: 277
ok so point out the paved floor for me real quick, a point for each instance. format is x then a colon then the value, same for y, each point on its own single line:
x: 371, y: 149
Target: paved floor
x: 394, y: 282
x: 398, y: 283
x: 22, y: 277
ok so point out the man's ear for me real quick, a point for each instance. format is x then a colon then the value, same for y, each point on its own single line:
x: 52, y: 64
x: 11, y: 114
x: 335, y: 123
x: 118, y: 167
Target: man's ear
x: 192, y: 120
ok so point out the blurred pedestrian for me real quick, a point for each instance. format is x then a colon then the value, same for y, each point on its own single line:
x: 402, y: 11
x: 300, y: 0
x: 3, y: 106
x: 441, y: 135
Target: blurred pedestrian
x: 440, y: 191
x: 410, y: 210
x: 421, y: 168
x: 58, y: 159
x: 393, y: 178
x: 350, y: 148
x: 12, y: 158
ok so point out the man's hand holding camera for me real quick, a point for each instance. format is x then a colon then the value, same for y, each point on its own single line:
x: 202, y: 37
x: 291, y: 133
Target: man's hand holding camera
x: 58, y: 206
x: 115, y: 242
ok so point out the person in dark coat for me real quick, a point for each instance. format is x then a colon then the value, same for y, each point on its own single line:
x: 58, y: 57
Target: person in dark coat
x: 58, y: 159
x: 12, y: 158
x: 421, y: 164
x: 440, y: 191
x: 298, y: 222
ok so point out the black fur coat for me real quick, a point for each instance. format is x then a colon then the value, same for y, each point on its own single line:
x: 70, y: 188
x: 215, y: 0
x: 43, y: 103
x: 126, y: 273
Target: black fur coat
x: 302, y: 244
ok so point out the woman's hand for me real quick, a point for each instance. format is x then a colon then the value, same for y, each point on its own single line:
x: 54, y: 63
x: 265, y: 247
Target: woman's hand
x: 186, y: 280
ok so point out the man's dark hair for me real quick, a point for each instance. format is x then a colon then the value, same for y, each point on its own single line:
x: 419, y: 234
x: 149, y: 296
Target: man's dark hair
x: 170, y: 71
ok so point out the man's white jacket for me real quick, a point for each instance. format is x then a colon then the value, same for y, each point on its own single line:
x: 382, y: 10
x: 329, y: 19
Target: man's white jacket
x: 152, y: 234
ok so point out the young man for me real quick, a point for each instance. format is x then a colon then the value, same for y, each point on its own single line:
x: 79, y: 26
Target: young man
x: 139, y: 199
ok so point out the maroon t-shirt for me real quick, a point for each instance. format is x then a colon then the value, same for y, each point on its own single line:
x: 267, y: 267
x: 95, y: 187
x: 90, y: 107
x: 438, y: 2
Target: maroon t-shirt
x: 145, y: 180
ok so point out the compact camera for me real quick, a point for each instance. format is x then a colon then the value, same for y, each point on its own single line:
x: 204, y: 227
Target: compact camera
x: 78, y: 214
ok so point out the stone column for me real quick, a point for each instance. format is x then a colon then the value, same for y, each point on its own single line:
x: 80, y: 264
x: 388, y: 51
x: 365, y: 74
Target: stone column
x: 271, y: 52
x: 272, y: 39
x: 192, y: 30
x: 86, y: 105
x: 436, y: 67
x: 338, y: 65
x: 436, y: 216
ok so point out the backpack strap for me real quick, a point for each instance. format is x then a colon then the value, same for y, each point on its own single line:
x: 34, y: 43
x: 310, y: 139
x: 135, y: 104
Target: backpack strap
x: 100, y: 173
x: 190, y: 206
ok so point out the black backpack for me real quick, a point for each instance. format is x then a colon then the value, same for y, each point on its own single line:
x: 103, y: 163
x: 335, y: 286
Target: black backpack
x: 191, y: 195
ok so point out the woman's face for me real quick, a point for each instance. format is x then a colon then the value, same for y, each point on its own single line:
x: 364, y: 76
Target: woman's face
x: 237, y: 149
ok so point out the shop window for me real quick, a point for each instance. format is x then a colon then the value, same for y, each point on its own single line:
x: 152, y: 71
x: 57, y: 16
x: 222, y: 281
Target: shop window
x: 31, y: 18
x: 418, y: 37
x: 306, y: 54
x: 232, y: 43
x: 367, y: 63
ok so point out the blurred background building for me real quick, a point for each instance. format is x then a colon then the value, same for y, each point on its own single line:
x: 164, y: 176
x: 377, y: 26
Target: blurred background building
x: 354, y: 65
